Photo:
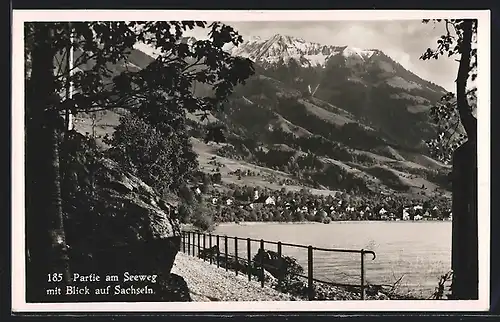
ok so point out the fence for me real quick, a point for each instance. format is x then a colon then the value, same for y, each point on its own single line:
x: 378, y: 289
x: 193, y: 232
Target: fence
x: 193, y: 243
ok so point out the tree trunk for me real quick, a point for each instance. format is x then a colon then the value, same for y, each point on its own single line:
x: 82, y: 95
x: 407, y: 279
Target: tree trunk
x: 44, y: 219
x: 464, y: 109
x: 465, y: 226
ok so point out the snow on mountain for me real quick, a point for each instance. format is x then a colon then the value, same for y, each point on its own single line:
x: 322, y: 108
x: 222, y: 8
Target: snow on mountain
x: 281, y: 48
x: 352, y: 51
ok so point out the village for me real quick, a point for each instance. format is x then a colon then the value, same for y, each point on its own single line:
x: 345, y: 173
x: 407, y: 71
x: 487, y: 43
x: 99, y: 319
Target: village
x: 243, y: 204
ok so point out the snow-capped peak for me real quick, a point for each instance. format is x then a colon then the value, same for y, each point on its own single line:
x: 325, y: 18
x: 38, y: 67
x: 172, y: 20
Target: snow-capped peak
x: 353, y: 51
x: 280, y: 48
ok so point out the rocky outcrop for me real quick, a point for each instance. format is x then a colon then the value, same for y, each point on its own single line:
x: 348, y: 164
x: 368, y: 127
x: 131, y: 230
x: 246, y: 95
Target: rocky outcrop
x: 114, y: 222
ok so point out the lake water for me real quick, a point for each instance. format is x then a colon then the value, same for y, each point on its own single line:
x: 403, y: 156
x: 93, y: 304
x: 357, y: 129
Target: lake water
x: 419, y: 251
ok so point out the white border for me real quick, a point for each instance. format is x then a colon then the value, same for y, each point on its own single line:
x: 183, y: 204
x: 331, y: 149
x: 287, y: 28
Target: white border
x: 18, y: 227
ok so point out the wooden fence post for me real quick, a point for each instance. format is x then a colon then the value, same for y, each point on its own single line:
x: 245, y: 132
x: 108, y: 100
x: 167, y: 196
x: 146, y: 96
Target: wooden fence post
x: 218, y: 251
x: 262, y: 275
x: 199, y: 244
x: 310, y: 273
x: 249, y: 259
x: 210, y: 245
x: 236, y: 255
x: 183, y: 241
x: 194, y: 244
x: 225, y: 252
x: 362, y: 274
x: 281, y: 267
x: 204, y: 245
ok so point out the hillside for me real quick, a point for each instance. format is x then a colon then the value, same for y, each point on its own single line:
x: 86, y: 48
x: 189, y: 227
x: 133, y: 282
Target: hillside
x: 325, y: 117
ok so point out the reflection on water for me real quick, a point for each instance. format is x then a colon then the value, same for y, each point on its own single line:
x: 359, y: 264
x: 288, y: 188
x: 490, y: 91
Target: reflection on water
x: 421, y: 251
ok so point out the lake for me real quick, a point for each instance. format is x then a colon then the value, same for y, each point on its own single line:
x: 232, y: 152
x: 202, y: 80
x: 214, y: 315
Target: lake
x: 418, y: 251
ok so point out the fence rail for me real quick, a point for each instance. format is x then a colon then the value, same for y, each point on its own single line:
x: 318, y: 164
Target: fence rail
x: 193, y: 243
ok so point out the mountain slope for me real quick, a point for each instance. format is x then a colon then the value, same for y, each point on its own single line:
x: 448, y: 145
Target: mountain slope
x: 366, y: 83
x: 329, y: 117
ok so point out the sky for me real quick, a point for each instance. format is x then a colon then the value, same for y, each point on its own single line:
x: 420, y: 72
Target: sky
x: 403, y: 41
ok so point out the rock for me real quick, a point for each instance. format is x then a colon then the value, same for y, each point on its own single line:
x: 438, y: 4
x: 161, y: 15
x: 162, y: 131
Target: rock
x: 269, y: 279
x: 114, y: 222
x: 175, y: 289
x: 279, y: 266
x: 209, y: 253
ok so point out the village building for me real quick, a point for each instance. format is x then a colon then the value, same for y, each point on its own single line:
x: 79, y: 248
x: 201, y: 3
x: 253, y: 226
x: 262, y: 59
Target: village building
x: 270, y: 201
x: 406, y: 215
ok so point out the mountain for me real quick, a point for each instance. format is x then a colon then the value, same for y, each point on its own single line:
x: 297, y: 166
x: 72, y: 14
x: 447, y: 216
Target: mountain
x: 366, y: 83
x: 281, y: 49
x: 329, y: 117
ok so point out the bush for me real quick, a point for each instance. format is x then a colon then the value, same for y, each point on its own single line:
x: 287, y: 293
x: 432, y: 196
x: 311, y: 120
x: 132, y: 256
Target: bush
x: 142, y: 149
x: 185, y: 213
x: 202, y: 219
x: 187, y: 194
x: 217, y: 177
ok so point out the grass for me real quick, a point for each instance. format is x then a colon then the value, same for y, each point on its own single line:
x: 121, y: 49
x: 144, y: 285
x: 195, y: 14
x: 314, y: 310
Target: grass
x: 388, y: 171
x: 267, y: 178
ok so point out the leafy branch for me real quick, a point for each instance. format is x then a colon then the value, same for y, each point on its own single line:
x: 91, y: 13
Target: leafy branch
x: 454, y: 115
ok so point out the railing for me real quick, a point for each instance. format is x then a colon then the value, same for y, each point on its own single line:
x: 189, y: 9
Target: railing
x: 194, y: 242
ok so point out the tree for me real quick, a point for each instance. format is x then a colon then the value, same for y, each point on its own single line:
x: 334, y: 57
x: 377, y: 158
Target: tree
x: 144, y: 151
x: 202, y: 218
x: 99, y: 46
x: 217, y: 177
x: 169, y: 121
x: 46, y: 239
x: 460, y: 40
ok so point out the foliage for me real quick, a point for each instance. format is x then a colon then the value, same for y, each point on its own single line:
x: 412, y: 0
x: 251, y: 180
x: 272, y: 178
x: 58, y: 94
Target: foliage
x: 185, y: 213
x: 187, y: 194
x: 216, y: 177
x: 450, y: 131
x: 450, y: 44
x: 443, y: 290
x: 173, y: 72
x: 142, y: 150
x: 159, y: 94
x: 451, y: 118
x: 79, y: 154
x: 202, y: 218
x: 152, y: 142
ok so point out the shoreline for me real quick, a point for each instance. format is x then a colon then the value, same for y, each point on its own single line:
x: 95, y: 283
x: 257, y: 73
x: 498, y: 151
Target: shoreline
x: 256, y: 223
x: 261, y: 223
